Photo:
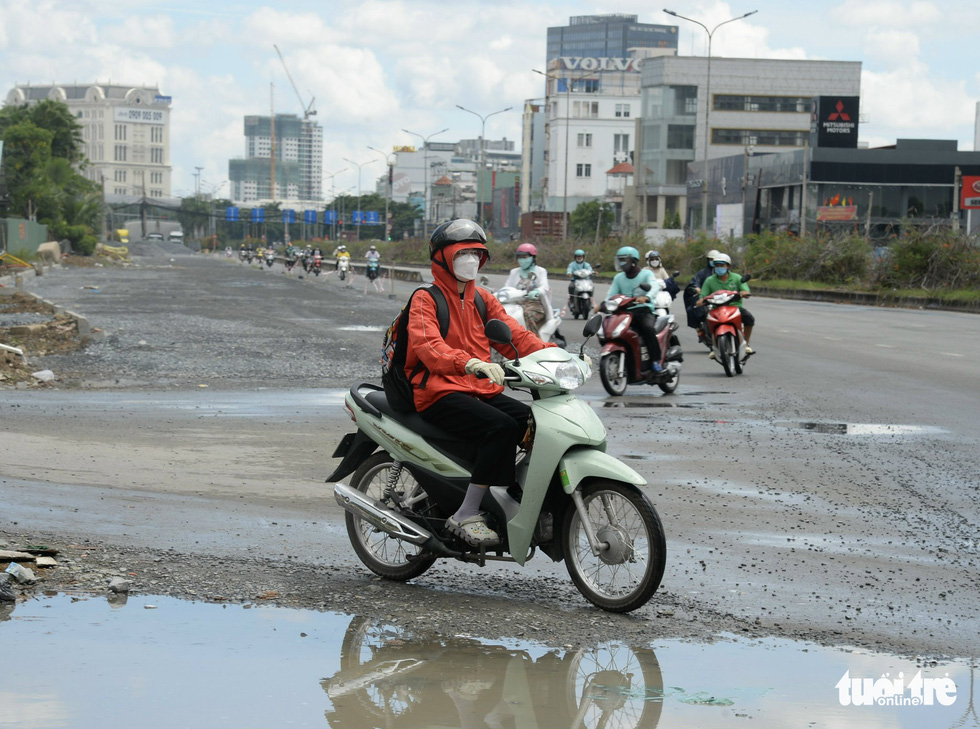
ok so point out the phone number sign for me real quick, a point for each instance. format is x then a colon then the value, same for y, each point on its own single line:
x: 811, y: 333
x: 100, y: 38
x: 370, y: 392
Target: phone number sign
x: 138, y: 116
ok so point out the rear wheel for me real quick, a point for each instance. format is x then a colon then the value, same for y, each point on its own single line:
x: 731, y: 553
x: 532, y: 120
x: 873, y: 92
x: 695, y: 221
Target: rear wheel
x: 613, y: 378
x: 726, y: 345
x: 629, y: 568
x: 384, y: 555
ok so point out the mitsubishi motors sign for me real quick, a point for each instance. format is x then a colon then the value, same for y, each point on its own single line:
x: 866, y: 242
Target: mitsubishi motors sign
x: 970, y: 196
x: 834, y: 121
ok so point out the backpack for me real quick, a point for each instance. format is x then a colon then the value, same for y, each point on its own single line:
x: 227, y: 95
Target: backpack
x: 397, y: 386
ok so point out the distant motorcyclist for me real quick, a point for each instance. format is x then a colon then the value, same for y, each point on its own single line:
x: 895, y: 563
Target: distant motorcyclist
x: 578, y: 264
x: 532, y: 278
x: 338, y: 253
x: 373, y: 269
x: 696, y: 314
x: 655, y: 264
x: 724, y: 279
x: 627, y: 282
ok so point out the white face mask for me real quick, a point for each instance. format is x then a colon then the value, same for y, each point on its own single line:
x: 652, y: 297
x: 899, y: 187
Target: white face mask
x: 465, y: 266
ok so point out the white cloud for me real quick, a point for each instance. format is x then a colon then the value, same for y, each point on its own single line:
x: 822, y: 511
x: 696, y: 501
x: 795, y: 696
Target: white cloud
x: 154, y: 31
x: 891, y: 48
x: 888, y: 14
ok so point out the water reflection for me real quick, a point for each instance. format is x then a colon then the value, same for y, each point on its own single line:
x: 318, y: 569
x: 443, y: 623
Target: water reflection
x: 390, y: 677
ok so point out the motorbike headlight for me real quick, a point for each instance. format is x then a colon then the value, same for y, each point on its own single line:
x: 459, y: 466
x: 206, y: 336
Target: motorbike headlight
x: 568, y: 375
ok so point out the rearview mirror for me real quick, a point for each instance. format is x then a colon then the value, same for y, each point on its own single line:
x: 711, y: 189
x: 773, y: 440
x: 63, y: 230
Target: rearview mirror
x: 592, y: 326
x: 498, y: 332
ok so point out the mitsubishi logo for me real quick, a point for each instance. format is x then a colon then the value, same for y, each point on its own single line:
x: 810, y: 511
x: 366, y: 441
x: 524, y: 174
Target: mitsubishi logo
x: 839, y: 114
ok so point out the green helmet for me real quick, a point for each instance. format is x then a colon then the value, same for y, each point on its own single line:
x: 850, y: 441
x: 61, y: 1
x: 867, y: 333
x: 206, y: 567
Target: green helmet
x: 579, y: 252
x: 623, y: 256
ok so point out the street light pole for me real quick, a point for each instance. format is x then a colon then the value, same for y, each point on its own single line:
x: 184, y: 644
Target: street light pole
x: 388, y: 167
x: 483, y: 160
x: 707, y: 106
x: 425, y: 172
x: 568, y: 104
x: 333, y: 200
x: 360, y: 213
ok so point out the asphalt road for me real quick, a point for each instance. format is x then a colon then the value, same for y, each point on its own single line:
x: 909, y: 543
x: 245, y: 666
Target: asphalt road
x: 831, y: 493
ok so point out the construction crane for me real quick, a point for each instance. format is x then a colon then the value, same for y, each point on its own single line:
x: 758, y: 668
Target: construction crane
x: 308, y: 109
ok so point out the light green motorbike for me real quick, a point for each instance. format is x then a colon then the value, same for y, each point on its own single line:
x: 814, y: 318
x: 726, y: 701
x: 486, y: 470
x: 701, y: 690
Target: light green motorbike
x: 572, y: 501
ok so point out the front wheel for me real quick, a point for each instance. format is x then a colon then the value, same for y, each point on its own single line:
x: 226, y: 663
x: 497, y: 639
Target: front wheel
x: 381, y: 553
x: 630, y: 565
x: 613, y: 377
x: 670, y: 385
x: 726, y: 345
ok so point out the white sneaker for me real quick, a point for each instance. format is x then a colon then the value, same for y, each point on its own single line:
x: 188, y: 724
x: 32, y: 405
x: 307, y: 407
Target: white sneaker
x: 474, y: 531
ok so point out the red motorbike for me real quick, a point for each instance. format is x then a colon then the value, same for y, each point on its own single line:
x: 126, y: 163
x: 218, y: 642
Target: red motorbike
x: 624, y: 359
x: 317, y: 262
x: 725, y: 335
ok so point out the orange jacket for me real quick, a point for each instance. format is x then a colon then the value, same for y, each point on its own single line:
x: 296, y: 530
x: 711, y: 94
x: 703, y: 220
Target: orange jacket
x: 445, y: 359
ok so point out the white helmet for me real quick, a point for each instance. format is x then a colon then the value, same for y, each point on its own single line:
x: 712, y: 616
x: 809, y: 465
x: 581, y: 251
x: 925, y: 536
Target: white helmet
x: 722, y: 257
x: 712, y: 255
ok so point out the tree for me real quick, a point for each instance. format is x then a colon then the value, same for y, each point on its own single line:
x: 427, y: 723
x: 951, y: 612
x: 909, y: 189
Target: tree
x: 590, y: 216
x: 42, y: 144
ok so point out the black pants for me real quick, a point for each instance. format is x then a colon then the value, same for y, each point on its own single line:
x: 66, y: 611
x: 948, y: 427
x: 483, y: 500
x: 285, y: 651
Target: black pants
x: 645, y: 323
x: 495, y: 425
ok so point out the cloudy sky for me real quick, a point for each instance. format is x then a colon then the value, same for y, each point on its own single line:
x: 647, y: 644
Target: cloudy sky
x: 376, y: 67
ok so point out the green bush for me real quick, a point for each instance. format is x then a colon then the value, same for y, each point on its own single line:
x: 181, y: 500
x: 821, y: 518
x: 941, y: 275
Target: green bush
x: 841, y: 260
x: 930, y: 260
x: 85, y: 245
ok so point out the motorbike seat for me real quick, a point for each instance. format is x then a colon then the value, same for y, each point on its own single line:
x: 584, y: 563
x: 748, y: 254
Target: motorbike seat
x: 459, y: 449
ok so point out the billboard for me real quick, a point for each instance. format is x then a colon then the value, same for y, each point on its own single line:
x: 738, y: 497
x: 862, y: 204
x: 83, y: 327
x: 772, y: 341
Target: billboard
x: 834, y: 121
x: 970, y: 192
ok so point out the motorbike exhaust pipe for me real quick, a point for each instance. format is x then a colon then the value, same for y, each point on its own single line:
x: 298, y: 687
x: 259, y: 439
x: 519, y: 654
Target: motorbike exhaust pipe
x: 380, y: 516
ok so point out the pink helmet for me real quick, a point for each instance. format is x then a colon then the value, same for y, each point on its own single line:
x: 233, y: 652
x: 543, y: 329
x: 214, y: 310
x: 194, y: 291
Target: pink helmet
x: 527, y: 248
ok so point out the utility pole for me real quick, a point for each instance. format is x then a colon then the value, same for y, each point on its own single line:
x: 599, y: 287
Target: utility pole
x: 707, y: 106
x: 425, y: 172
x: 483, y: 159
x: 388, y: 166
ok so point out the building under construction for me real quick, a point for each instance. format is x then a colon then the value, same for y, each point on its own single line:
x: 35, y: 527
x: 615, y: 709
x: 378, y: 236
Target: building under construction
x: 298, y: 145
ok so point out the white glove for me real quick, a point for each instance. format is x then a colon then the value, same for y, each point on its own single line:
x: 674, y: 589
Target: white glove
x: 492, y: 371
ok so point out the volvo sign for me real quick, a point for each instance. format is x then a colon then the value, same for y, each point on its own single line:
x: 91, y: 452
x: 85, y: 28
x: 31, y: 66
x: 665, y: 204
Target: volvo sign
x: 575, y: 63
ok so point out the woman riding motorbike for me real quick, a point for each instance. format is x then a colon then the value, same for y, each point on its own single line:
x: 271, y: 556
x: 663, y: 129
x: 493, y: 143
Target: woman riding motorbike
x: 461, y: 390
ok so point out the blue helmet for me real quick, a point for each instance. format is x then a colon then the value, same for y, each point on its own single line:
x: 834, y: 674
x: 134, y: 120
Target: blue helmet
x: 579, y: 252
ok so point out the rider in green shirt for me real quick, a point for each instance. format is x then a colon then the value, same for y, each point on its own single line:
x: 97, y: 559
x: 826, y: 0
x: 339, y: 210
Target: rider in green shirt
x: 724, y: 279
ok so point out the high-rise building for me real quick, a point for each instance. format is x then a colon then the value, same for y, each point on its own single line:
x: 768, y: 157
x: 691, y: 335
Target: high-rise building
x: 125, y: 133
x: 299, y: 160
x: 607, y: 36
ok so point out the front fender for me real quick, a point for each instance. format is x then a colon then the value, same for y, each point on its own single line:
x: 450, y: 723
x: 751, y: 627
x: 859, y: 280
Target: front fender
x: 582, y: 463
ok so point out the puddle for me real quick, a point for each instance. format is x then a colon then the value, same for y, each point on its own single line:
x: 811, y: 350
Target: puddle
x: 863, y: 428
x: 360, y: 328
x: 650, y: 404
x: 154, y: 661
x: 259, y: 402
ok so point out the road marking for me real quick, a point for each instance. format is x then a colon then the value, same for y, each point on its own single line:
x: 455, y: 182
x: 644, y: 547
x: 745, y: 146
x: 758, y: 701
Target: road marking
x: 833, y: 339
x: 886, y: 346
x: 952, y: 354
